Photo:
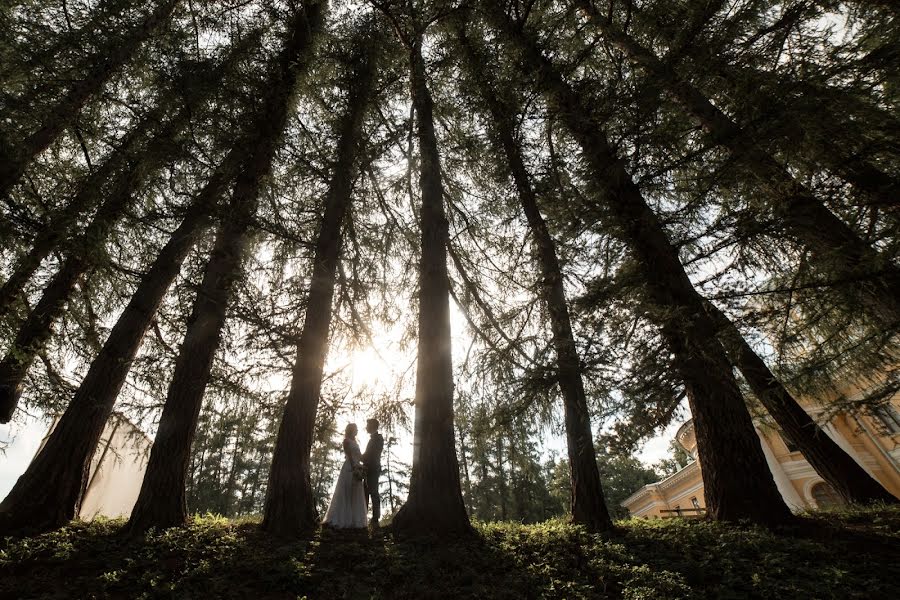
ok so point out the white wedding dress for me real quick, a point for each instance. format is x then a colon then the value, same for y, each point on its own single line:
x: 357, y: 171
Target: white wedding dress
x: 348, y: 504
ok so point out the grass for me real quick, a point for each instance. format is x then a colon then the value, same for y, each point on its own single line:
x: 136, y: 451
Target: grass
x: 847, y: 554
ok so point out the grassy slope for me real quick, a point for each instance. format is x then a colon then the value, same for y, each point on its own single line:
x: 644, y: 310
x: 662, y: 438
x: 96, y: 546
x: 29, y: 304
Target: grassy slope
x: 842, y: 555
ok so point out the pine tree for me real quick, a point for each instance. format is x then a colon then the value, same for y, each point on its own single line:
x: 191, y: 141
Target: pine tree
x: 85, y: 250
x: 829, y: 460
x: 737, y: 481
x: 588, y: 505
x: 290, y: 506
x: 835, y: 246
x: 103, y: 67
x: 161, y: 501
x: 435, y: 503
x: 90, y: 192
x: 58, y: 473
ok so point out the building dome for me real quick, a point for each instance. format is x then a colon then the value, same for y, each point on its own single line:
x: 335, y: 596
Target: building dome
x: 687, y: 439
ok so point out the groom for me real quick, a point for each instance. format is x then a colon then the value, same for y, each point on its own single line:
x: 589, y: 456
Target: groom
x: 372, y: 461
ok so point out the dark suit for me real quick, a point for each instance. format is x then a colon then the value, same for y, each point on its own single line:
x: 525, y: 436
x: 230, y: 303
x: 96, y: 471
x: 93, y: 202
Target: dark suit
x: 372, y: 461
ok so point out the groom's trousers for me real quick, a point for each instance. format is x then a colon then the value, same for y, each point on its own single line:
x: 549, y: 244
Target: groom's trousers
x: 372, y: 491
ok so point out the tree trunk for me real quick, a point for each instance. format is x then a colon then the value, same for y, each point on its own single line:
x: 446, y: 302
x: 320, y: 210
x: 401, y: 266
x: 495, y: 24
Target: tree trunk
x: 161, y: 501
x: 463, y: 453
x: 737, y: 481
x: 228, y: 505
x: 501, y: 479
x: 390, y: 478
x: 434, y: 504
x: 835, y: 246
x: 64, y: 112
x: 835, y: 466
x: 588, y: 505
x: 46, y: 496
x: 290, y: 502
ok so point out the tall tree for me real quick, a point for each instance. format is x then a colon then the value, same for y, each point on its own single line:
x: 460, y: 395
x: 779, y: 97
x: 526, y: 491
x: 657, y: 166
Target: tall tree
x: 434, y: 503
x: 161, y: 501
x: 103, y: 66
x: 835, y: 247
x: 290, y: 504
x: 737, y: 481
x: 587, y: 503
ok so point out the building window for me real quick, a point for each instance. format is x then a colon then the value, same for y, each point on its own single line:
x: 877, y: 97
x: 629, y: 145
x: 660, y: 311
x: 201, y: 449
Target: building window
x: 695, y: 503
x: 888, y: 417
x: 824, y: 496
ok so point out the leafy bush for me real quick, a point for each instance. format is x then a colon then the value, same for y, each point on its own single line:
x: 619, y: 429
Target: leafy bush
x: 844, y: 554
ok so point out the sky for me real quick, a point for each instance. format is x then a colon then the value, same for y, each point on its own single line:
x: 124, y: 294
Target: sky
x: 19, y: 440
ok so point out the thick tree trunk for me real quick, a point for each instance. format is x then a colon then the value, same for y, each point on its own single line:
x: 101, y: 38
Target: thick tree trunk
x: 835, y: 466
x: 46, y: 496
x: 836, y: 248
x: 161, y: 501
x: 61, y: 223
x: 290, y: 503
x: 434, y: 504
x: 63, y: 114
x: 588, y: 505
x: 737, y: 481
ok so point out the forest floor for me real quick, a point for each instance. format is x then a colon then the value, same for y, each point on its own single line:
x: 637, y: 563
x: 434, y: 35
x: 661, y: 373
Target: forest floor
x: 846, y: 554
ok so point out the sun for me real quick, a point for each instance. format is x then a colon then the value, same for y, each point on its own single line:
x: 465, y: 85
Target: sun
x: 369, y: 369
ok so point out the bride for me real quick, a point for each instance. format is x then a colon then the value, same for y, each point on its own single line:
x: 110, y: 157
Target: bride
x: 348, y: 504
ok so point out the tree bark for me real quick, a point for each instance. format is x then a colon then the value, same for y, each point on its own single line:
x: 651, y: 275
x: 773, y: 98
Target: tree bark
x: 434, y: 504
x: 290, y: 503
x: 835, y: 247
x: 588, y: 506
x: 161, y: 501
x: 829, y: 460
x: 47, y: 495
x: 64, y: 112
x: 737, y: 481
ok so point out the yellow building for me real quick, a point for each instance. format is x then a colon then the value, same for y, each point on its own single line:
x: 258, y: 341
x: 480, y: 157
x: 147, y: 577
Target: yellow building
x: 873, y: 440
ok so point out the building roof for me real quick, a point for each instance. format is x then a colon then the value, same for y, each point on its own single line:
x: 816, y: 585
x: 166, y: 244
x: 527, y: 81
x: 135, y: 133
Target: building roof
x: 668, y: 482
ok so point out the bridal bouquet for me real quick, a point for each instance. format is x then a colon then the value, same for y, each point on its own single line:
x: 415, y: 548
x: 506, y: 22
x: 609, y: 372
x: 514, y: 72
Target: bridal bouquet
x: 359, y: 472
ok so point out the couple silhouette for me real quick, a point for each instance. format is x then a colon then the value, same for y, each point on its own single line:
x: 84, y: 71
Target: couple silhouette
x: 357, y: 482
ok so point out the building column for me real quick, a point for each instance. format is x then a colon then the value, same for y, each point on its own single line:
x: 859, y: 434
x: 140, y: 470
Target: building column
x: 782, y: 481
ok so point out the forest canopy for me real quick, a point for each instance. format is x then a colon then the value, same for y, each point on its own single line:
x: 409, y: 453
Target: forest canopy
x: 241, y: 223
